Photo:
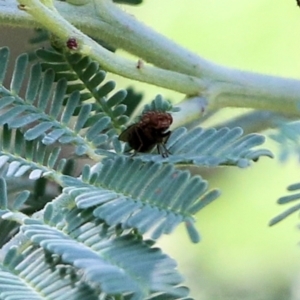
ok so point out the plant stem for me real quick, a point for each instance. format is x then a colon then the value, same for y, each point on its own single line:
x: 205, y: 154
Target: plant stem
x: 255, y: 121
x: 59, y: 26
x: 176, y: 68
x: 228, y: 87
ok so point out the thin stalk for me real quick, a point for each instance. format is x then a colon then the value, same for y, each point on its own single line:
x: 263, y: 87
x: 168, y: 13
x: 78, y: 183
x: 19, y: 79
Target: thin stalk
x: 137, y: 70
x: 176, y: 68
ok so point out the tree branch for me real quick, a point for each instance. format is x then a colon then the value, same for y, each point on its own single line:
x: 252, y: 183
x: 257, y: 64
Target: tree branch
x: 59, y: 26
x: 176, y: 68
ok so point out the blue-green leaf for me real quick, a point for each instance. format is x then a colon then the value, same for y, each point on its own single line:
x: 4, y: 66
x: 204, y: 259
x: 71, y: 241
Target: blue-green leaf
x: 127, y: 191
x: 19, y: 74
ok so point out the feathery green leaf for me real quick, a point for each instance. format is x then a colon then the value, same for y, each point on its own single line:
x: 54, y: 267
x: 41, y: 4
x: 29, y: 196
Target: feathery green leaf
x: 117, y: 264
x: 288, y: 137
x: 210, y: 147
x: 25, y: 274
x: 147, y: 196
x: 287, y: 199
x: 18, y: 156
x: 19, y: 74
x: 87, y: 78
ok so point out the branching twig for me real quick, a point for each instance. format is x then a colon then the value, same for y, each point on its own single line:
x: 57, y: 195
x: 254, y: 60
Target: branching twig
x: 175, y: 67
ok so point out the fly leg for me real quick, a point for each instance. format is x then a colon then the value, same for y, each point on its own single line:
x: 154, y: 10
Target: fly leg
x: 161, y: 147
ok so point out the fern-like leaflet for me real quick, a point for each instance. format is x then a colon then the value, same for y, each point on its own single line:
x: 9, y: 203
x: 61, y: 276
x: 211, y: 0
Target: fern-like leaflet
x: 100, y: 258
x: 85, y: 76
x: 147, y: 196
x: 288, y: 138
x: 287, y: 199
x: 50, y: 116
x: 210, y: 147
x: 26, y: 273
x: 94, y: 228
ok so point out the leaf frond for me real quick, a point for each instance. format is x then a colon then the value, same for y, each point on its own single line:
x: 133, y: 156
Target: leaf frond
x: 210, y: 147
x: 149, y: 197
x: 87, y: 77
x: 117, y: 264
x: 41, y: 114
x: 159, y: 104
x: 295, y: 196
x: 25, y: 274
x: 19, y: 157
x: 288, y: 137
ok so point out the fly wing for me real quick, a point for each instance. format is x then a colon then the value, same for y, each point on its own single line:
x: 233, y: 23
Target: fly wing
x: 124, y: 136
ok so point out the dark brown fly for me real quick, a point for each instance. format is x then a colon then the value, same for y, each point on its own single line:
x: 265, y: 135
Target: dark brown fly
x: 150, y: 131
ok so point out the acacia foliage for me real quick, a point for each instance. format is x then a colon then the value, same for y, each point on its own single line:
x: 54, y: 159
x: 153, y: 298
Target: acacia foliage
x: 81, y: 232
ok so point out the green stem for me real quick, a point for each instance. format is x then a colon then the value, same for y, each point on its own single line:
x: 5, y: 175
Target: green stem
x: 15, y: 216
x: 228, y: 87
x: 137, y: 70
x: 260, y: 92
x: 255, y: 121
x: 176, y: 68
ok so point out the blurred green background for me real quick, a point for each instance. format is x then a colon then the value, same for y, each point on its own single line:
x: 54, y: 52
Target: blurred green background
x: 239, y: 257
